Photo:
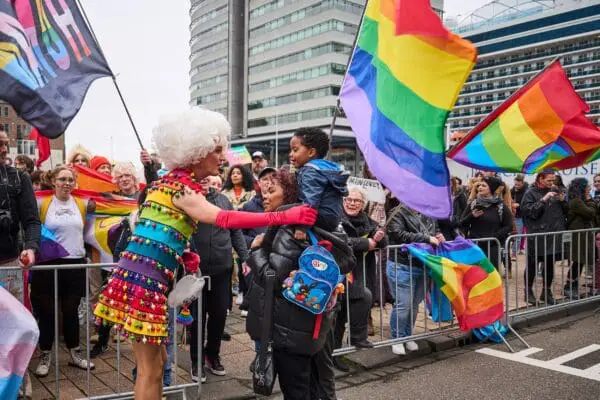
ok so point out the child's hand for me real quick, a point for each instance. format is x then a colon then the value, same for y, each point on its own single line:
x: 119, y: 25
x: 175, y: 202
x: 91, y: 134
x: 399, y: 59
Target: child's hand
x: 299, y: 235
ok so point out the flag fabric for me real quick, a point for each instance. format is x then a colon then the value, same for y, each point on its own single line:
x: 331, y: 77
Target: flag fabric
x: 18, y: 337
x: 107, y: 204
x: 48, y: 59
x: 50, y: 249
x: 469, y: 280
x: 43, y: 145
x: 97, y: 232
x: 238, y: 155
x: 88, y: 179
x: 541, y: 127
x: 404, y: 77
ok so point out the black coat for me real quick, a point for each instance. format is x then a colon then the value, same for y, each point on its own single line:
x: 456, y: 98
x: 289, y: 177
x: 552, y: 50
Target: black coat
x: 543, y: 216
x: 255, y: 205
x: 18, y: 200
x: 406, y: 227
x: 450, y: 227
x: 359, y: 229
x: 292, y: 325
x: 214, y: 244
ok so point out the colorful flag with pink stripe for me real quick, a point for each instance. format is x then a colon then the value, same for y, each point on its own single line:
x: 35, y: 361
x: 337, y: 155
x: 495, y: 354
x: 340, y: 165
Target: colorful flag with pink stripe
x: 18, y: 337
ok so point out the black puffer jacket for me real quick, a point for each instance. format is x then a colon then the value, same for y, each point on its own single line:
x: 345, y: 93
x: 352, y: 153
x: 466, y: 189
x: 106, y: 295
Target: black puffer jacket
x: 359, y: 229
x: 407, y: 226
x: 544, y: 216
x: 292, y: 326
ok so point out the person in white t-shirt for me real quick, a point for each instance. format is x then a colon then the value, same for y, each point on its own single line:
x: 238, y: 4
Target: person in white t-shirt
x: 64, y: 216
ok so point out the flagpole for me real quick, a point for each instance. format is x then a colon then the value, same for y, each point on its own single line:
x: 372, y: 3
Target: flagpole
x: 517, y: 93
x: 114, y: 78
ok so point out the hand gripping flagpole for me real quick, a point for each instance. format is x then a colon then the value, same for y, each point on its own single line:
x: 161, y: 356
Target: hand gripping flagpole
x: 114, y: 78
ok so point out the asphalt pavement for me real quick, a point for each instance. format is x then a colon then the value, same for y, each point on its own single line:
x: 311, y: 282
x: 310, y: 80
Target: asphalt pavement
x: 563, y: 363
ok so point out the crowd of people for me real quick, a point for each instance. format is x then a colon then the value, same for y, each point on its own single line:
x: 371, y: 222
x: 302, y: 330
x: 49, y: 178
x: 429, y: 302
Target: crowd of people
x: 242, y: 223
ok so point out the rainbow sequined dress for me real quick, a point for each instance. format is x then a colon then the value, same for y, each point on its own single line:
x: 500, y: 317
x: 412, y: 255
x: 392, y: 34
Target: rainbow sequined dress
x: 135, y: 298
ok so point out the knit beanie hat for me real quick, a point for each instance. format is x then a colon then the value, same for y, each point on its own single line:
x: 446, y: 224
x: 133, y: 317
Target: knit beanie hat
x: 98, y: 161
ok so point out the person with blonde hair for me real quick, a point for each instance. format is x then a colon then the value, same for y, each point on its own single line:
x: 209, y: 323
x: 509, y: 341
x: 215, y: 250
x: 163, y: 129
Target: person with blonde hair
x: 79, y: 155
x: 192, y: 145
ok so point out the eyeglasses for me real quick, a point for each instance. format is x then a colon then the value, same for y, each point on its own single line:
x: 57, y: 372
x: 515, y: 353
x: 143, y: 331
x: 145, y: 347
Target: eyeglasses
x: 351, y: 200
x: 68, y: 180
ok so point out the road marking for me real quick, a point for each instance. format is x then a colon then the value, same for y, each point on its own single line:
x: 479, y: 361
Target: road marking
x: 592, y: 373
x: 575, y: 354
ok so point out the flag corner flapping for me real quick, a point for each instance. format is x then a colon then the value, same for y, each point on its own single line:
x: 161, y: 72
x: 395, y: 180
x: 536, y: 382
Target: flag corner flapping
x: 542, y: 126
x: 50, y: 58
x: 403, y: 79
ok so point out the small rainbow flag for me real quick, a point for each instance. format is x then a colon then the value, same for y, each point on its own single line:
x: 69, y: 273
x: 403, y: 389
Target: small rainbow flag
x: 238, y: 155
x: 469, y: 280
x: 402, y: 82
x: 541, y: 127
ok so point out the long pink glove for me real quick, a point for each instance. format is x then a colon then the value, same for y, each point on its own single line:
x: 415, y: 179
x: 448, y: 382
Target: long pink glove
x: 300, y: 215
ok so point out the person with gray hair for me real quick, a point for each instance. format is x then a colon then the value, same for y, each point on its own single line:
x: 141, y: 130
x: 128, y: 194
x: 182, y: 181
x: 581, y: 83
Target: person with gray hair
x: 125, y: 176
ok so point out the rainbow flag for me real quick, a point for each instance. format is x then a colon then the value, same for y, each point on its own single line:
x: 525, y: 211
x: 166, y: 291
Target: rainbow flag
x: 469, y: 280
x: 402, y: 82
x: 541, y: 127
x: 18, y: 337
x: 88, y: 179
x: 238, y: 155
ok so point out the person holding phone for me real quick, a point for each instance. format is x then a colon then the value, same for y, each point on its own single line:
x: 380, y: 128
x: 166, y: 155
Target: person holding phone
x: 487, y: 216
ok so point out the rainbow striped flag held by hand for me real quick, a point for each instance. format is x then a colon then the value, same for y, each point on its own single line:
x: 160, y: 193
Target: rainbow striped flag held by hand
x: 469, y: 280
x: 541, y: 127
x: 402, y: 82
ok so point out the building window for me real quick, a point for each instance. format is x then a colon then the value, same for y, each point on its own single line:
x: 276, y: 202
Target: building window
x: 294, y: 97
x: 269, y: 7
x: 208, y: 16
x: 26, y: 147
x: 331, y: 25
x: 297, y: 76
x: 294, y: 117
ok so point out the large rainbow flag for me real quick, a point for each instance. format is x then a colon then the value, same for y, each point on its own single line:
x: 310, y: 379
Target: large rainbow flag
x: 402, y: 82
x: 541, y: 127
x: 18, y: 337
x: 88, y: 179
x: 469, y: 280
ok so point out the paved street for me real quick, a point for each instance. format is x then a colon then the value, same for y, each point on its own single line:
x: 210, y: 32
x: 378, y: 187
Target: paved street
x: 469, y: 374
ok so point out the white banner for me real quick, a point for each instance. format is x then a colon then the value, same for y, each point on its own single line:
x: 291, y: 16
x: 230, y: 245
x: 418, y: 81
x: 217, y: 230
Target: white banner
x: 375, y: 192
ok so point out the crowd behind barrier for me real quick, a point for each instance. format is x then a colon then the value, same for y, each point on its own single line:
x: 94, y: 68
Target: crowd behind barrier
x: 543, y: 239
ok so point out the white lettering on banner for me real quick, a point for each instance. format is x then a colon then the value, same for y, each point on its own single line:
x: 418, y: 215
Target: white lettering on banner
x: 585, y: 171
x: 375, y: 192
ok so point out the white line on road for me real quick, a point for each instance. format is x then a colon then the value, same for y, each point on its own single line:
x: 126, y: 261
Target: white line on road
x: 575, y: 354
x: 590, y: 373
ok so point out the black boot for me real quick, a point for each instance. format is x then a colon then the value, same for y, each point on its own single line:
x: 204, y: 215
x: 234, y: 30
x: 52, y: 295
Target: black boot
x: 530, y: 296
x: 340, y: 364
x: 547, y: 297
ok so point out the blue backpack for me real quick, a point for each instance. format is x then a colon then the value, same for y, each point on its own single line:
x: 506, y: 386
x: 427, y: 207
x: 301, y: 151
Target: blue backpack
x: 312, y: 285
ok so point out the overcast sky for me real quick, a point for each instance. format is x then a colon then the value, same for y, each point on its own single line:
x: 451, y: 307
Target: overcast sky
x: 146, y: 44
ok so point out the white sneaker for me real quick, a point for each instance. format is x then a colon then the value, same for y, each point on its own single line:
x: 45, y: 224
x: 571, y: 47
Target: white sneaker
x: 412, y: 346
x: 239, y: 299
x: 398, y: 349
x: 244, y: 313
x: 44, y: 364
x: 78, y: 361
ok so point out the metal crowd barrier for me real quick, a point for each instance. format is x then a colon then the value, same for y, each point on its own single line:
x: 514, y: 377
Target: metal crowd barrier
x: 174, y: 388
x: 565, y: 248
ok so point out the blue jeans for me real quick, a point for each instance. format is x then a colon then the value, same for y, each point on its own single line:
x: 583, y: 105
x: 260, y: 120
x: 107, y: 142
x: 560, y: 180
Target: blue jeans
x: 167, y: 369
x: 408, y: 288
x: 517, y: 242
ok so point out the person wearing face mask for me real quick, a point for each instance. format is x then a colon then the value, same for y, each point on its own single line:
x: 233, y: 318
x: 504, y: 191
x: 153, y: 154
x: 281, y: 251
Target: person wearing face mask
x: 544, y: 210
x: 63, y: 215
x: 487, y: 216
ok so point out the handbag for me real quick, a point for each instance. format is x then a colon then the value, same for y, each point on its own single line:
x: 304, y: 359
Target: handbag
x: 264, y: 375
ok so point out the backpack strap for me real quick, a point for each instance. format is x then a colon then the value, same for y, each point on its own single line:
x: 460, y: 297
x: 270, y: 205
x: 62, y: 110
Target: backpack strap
x: 312, y: 237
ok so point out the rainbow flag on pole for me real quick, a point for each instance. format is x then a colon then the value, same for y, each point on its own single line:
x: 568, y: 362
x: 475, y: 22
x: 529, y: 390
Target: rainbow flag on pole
x: 18, y: 337
x: 541, y: 127
x: 469, y: 280
x: 402, y: 82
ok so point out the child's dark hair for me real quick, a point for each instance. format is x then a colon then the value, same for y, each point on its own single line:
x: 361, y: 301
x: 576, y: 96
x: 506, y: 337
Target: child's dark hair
x: 314, y: 138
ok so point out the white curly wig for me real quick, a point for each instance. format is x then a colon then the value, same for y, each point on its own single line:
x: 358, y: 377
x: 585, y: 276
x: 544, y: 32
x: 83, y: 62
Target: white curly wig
x: 184, y: 139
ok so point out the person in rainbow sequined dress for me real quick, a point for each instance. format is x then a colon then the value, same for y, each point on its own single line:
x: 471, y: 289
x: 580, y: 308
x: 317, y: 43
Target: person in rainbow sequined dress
x: 192, y: 146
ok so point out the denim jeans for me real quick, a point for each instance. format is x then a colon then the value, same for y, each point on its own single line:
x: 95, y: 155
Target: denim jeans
x: 517, y: 243
x: 408, y: 288
x: 167, y: 369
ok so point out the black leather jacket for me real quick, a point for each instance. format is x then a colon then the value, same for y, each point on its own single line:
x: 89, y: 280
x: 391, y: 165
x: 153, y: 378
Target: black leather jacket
x: 407, y: 226
x: 292, y: 326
